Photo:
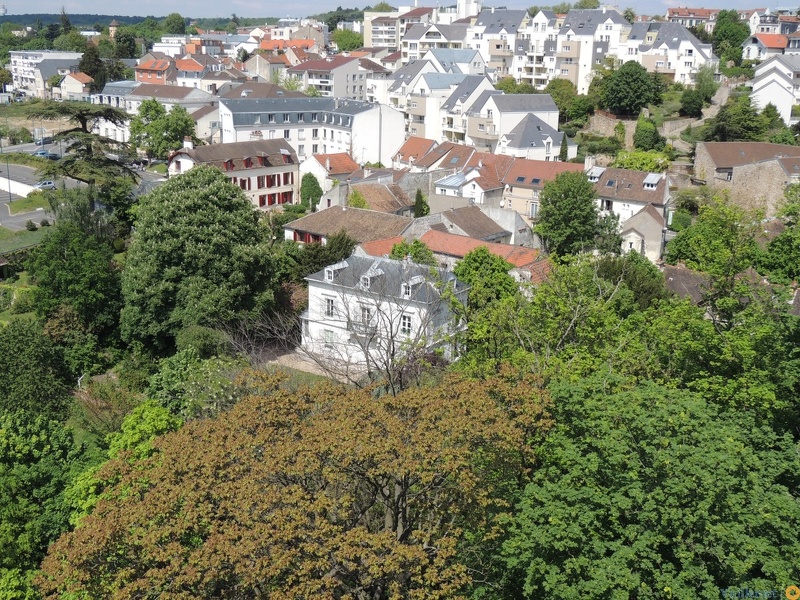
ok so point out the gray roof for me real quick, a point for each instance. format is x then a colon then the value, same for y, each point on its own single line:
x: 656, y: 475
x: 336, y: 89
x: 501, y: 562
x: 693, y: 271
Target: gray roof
x: 497, y: 20
x: 51, y: 66
x: 455, y: 180
x: 464, y: 90
x: 389, y: 275
x: 220, y: 153
x: 532, y: 132
x: 439, y: 81
x: 481, y: 101
x: 407, y: 73
x: 120, y: 88
x: 525, y: 102
x: 252, y: 111
x: 669, y: 34
x: 175, y: 93
x: 448, y: 57
x: 587, y: 20
x: 449, y: 32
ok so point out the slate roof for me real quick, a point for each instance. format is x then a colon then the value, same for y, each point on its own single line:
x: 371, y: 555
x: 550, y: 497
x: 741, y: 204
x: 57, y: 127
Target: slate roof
x: 407, y: 73
x: 392, y: 274
x: 169, y: 92
x: 586, y: 21
x: 414, y: 148
x: 443, y: 81
x: 495, y: 20
x: 449, y: 58
x: 449, y: 32
x: 524, y: 102
x: 323, y: 64
x: 204, y: 110
x: 667, y: 34
x: 456, y: 156
x: 371, y: 66
x: 532, y: 132
x: 275, y: 153
x: 464, y: 90
x: 727, y: 155
x: 51, y: 66
x: 360, y: 224
x: 628, y: 185
x: 120, y: 88
x: 260, y: 89
x: 250, y: 111
x: 472, y: 221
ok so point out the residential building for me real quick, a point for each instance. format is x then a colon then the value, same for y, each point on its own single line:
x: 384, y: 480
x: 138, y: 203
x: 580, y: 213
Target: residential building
x: 411, y: 151
x: 267, y: 171
x: 266, y: 66
x: 761, y: 46
x: 535, y: 50
x: 171, y: 45
x: 505, y: 123
x: 156, y: 72
x: 23, y: 65
x: 46, y: 72
x: 645, y: 233
x: 421, y: 37
x: 668, y: 49
x: 693, y: 17
x: 525, y: 180
x: 364, y: 312
x: 329, y: 169
x: 494, y: 34
x: 755, y: 174
x: 368, y: 132
x: 332, y: 77
x: 624, y: 192
x: 360, y: 224
x: 76, y: 86
x: 777, y: 82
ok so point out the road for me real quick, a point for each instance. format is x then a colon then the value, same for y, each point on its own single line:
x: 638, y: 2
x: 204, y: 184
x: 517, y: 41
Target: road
x: 27, y: 176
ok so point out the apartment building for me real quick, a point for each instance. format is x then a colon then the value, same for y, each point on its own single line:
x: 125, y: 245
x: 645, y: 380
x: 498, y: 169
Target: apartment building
x: 368, y: 132
x: 494, y: 35
x: 333, y: 77
x: 777, y: 81
x: 24, y: 65
x: 420, y: 38
x: 535, y: 50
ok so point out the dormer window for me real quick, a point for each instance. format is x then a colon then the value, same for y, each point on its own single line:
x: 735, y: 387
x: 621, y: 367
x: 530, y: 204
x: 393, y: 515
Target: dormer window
x: 406, y: 290
x: 365, y: 282
x: 328, y: 274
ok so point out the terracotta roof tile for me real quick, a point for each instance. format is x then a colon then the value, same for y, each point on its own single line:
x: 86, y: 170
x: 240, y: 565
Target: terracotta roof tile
x: 360, y: 224
x: 534, y: 174
x: 414, y: 148
x: 81, y: 77
x: 323, y: 64
x: 188, y: 64
x: 459, y: 246
x: 384, y: 198
x: 772, y: 40
x: 154, y: 65
x: 340, y: 163
x: 734, y: 154
x: 447, y: 156
x: 382, y: 247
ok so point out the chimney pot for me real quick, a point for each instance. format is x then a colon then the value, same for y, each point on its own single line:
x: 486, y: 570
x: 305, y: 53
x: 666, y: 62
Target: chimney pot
x: 188, y: 143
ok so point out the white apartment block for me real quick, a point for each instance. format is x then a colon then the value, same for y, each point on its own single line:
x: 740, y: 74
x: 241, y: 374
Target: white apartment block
x: 777, y: 81
x: 24, y: 64
x: 494, y: 34
x: 368, y: 132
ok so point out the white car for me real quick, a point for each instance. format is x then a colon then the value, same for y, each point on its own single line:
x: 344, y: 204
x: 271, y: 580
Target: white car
x: 45, y: 185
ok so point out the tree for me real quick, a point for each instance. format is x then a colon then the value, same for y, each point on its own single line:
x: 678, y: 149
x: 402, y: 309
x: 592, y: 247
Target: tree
x: 358, y: 497
x: 72, y: 41
x: 383, y: 7
x: 421, y: 208
x: 196, y: 259
x: 33, y: 378
x: 37, y: 455
x: 705, y: 82
x: 125, y: 44
x: 629, y: 89
x: 310, y: 191
x: 159, y: 132
x: 692, y: 103
x: 637, y: 160
x: 312, y: 258
x: 416, y: 250
x: 356, y: 200
x: 347, y: 40
x: 646, y: 136
x: 66, y: 26
x: 487, y: 275
x: 729, y: 33
x: 782, y: 257
x: 72, y: 268
x: 568, y: 218
x: 86, y: 157
x: 93, y: 66
x: 563, y: 152
x: 641, y: 489
x: 629, y: 14
x: 564, y: 93
x: 174, y: 24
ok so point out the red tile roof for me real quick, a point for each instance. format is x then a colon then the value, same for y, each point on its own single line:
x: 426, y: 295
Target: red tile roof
x: 393, y: 57
x: 81, y: 77
x: 154, y: 65
x: 323, y: 64
x: 525, y: 172
x: 188, y: 64
x: 772, y: 40
x: 414, y: 148
x: 417, y: 12
x: 340, y: 163
x: 283, y: 44
x: 447, y: 156
x: 459, y: 246
x: 382, y: 247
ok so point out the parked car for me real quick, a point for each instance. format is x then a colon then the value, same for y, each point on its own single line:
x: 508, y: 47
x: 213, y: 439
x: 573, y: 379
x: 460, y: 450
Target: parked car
x: 41, y: 153
x: 53, y: 155
x: 45, y: 185
x: 43, y: 141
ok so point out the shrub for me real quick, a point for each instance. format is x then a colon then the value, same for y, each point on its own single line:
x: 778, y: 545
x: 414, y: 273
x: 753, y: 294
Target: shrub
x: 23, y: 301
x: 30, y: 225
x: 44, y: 223
x: 681, y: 219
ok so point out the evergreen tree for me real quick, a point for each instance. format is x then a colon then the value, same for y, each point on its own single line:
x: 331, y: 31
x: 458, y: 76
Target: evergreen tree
x: 421, y: 208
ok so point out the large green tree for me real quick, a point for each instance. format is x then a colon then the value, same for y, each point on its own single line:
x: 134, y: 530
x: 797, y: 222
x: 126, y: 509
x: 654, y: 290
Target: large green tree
x: 197, y: 258
x: 347, y: 40
x: 729, y: 33
x: 568, y: 220
x: 125, y: 44
x: 174, y: 24
x: 646, y: 492
x: 736, y: 121
x: 310, y: 191
x: 93, y: 66
x: 159, y: 132
x: 629, y: 89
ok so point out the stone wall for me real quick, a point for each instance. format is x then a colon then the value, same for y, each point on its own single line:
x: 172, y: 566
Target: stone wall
x: 675, y: 126
x: 603, y: 123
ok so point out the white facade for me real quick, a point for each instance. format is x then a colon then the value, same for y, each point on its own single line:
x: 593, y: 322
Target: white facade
x: 23, y: 65
x: 777, y: 81
x: 364, y: 312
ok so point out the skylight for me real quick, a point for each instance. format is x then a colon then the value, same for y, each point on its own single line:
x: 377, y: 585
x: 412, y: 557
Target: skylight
x: 611, y: 182
x: 520, y: 179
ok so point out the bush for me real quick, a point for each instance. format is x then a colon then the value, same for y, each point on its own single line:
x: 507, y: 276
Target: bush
x: 647, y: 137
x: 30, y: 225
x: 692, y: 103
x: 601, y: 145
x: 681, y: 219
x: 23, y: 301
x: 44, y: 223
x: 118, y: 245
x: 205, y: 341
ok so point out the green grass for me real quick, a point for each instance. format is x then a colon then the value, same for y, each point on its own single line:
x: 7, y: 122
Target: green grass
x: 160, y: 168
x: 20, y: 158
x: 15, y: 240
x: 669, y: 107
x: 30, y: 203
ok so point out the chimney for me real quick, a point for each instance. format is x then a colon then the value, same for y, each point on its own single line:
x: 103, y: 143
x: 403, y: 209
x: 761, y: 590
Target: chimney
x: 327, y: 163
x: 188, y: 144
x: 604, y: 9
x: 493, y: 10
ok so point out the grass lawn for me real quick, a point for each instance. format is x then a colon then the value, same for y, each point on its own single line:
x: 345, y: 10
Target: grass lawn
x: 33, y: 201
x: 160, y: 168
x: 15, y: 240
x: 670, y: 106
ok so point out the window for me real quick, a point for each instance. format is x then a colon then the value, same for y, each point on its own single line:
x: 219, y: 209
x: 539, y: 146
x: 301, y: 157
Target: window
x: 565, y: 48
x: 315, y: 149
x: 533, y: 209
x: 564, y: 72
x: 315, y: 134
x: 285, y: 117
x: 405, y: 324
x: 271, y: 118
x: 301, y: 150
x: 328, y: 337
x: 330, y: 307
x: 547, y: 147
x: 314, y: 117
x: 366, y: 313
x: 301, y: 118
x: 286, y: 134
x: 261, y: 181
x: 406, y: 290
x: 729, y: 176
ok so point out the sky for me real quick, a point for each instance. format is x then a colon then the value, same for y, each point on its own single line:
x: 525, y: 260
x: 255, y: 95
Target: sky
x: 248, y: 8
